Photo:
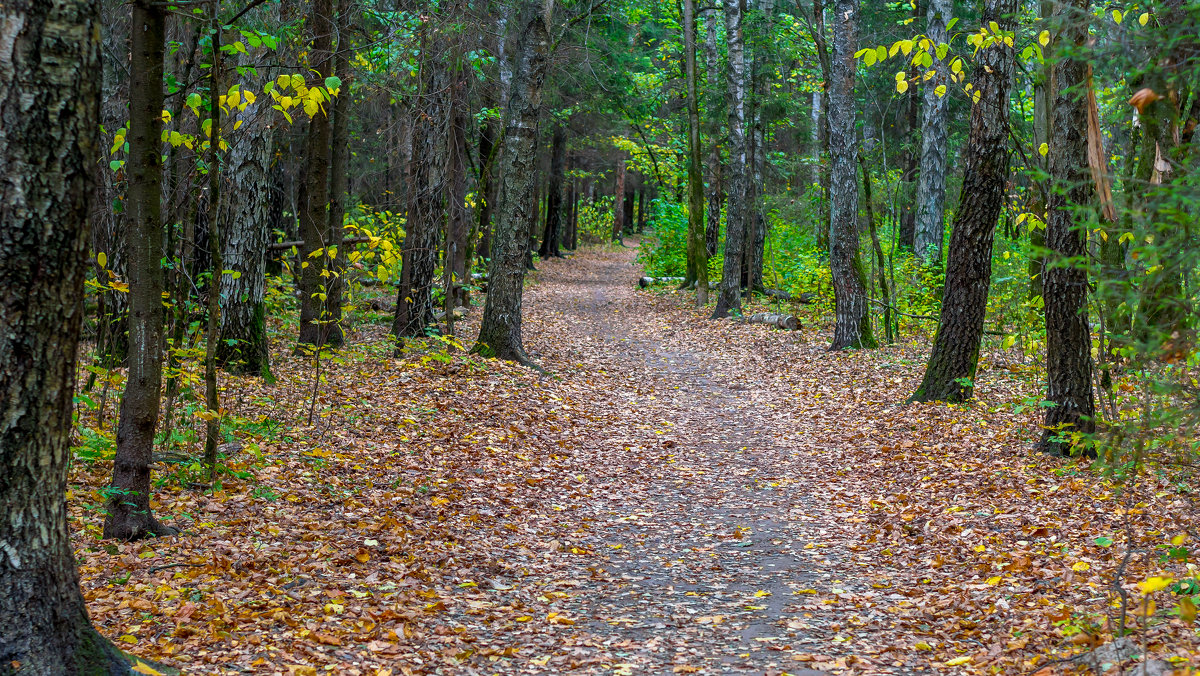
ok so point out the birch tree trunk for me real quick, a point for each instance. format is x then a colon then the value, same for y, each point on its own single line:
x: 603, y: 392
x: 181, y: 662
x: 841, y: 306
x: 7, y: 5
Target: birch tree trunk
x: 49, y: 110
x: 1065, y: 288
x: 931, y: 185
x: 729, y: 298
x: 853, y: 327
x: 500, y: 330
x: 243, y: 345
x: 950, y: 373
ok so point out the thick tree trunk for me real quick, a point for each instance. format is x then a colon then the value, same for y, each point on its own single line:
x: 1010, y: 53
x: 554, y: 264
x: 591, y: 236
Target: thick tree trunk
x: 129, y: 516
x: 853, y: 327
x: 487, y: 184
x: 49, y: 95
x: 931, y: 186
x: 825, y: 225
x: 1068, y: 338
x: 1043, y: 90
x: 950, y: 374
x: 314, y: 215
x: 243, y: 346
x: 500, y: 331
x: 551, y: 239
x: 729, y: 299
x: 427, y: 198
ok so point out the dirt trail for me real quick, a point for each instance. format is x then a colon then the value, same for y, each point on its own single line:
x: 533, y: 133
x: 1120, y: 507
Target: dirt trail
x: 710, y: 544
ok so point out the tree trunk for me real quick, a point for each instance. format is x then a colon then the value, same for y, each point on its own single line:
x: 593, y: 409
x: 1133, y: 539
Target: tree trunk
x: 931, y: 186
x: 729, y: 299
x: 243, y: 347
x: 756, y: 224
x: 45, y: 194
x: 427, y: 197
x: 314, y: 215
x: 500, y: 330
x: 907, y: 126
x: 1068, y: 338
x: 825, y: 225
x: 712, y: 230
x: 129, y: 516
x: 339, y: 151
x: 551, y: 239
x: 487, y: 184
x: 458, y: 217
x: 1043, y: 90
x: 950, y: 373
x: 853, y: 328
x: 619, y: 202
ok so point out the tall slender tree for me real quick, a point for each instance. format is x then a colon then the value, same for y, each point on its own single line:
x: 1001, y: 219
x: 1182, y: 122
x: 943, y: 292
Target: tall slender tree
x: 129, y: 516
x: 729, y: 297
x: 500, y: 330
x: 853, y: 326
x: 930, y: 225
x: 697, y: 251
x: 950, y: 374
x: 1068, y: 338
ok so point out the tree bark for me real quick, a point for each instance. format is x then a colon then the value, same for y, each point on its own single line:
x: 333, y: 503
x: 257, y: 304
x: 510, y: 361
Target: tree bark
x: 129, y: 516
x: 551, y: 239
x: 49, y: 94
x: 756, y: 223
x: 619, y: 201
x: 457, y: 218
x: 950, y: 373
x: 931, y: 186
x: 910, y: 167
x: 314, y: 215
x: 853, y: 327
x: 712, y: 230
x: 500, y: 330
x: 427, y: 196
x: 243, y: 347
x: 729, y: 299
x: 339, y: 110
x: 825, y: 225
x: 1068, y: 338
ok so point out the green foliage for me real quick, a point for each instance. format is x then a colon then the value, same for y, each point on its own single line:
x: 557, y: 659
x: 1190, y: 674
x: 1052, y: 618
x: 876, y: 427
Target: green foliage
x: 596, y: 220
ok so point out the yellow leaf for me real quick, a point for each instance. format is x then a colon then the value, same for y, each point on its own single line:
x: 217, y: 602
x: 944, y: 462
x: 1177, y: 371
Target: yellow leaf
x: 128, y: 639
x: 1043, y: 149
x: 143, y: 668
x: 923, y: 646
x: 994, y: 580
x: 1044, y: 38
x: 102, y: 259
x: 1144, y: 18
x: 1179, y: 539
x: 1080, y: 566
x: 958, y: 661
x: 1153, y: 584
x: 439, y: 501
x: 1187, y: 609
x: 524, y: 618
x: 940, y: 91
x: 761, y: 593
x: 363, y: 556
x: 1117, y: 16
x: 901, y: 86
x: 540, y: 661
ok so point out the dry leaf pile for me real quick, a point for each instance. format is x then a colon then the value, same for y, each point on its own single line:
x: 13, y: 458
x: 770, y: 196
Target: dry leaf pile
x: 679, y: 495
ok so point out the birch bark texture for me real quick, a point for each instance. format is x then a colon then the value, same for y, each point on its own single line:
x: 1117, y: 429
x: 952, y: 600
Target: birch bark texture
x: 931, y: 184
x: 729, y: 298
x: 49, y: 110
x: 500, y: 329
x: 853, y: 324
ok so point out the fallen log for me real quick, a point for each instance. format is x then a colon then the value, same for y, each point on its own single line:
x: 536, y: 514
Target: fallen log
x: 779, y: 321
x: 778, y: 294
x: 648, y: 281
x: 807, y: 298
x: 281, y: 246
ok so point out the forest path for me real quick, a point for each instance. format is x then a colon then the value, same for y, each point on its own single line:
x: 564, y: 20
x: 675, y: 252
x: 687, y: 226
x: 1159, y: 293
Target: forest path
x: 714, y: 541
